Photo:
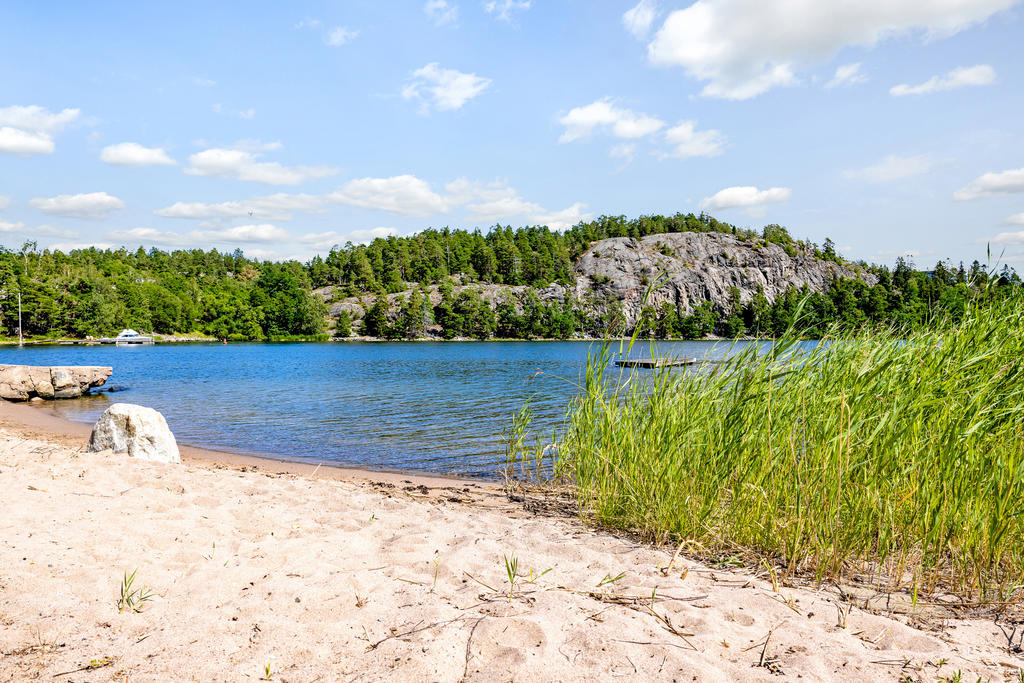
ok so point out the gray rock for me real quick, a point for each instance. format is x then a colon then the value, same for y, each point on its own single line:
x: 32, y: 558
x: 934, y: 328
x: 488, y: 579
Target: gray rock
x: 139, y: 431
x: 23, y: 382
x: 695, y: 267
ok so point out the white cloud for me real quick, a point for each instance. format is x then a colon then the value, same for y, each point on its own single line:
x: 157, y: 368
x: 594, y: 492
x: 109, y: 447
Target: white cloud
x: 491, y: 202
x: 744, y: 196
x: 639, y: 19
x: 250, y: 145
x: 68, y: 247
x: 961, y: 77
x: 38, y: 231
x: 503, y: 9
x: 28, y: 131
x: 91, y: 206
x: 339, y: 35
x: 742, y: 48
x: 441, y: 13
x: 264, y: 233
x: 268, y: 207
x: 892, y: 168
x: 307, y: 23
x: 1015, y: 219
x: 989, y: 184
x: 362, y: 236
x: 242, y: 165
x: 5, y: 201
x: 564, y: 219
x: 404, y: 195
x: 134, y: 154
x: 204, y: 82
x: 622, y: 123
x: 847, y: 74
x: 445, y: 89
x: 686, y: 141
x: 22, y: 143
x: 248, y: 114
x: 37, y: 119
x: 1008, y: 238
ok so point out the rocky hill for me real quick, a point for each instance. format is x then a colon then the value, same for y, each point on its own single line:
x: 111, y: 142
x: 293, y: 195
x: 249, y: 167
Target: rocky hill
x: 698, y: 267
x: 686, y: 269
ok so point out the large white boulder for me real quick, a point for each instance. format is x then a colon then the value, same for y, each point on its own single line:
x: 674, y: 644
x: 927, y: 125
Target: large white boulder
x: 141, y: 432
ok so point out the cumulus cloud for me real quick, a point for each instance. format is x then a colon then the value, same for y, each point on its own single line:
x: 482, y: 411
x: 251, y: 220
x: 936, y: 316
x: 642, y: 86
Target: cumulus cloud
x: 91, y: 206
x: 892, y: 168
x: 1008, y: 238
x: 505, y: 9
x: 961, y: 77
x: 339, y: 35
x: 269, y: 207
x: 134, y: 154
x: 404, y: 195
x: 491, y: 202
x: 441, y: 13
x: 364, y: 236
x: 622, y: 123
x: 28, y: 131
x: 686, y: 141
x: 989, y: 184
x: 742, y: 48
x: 5, y: 201
x: 242, y: 165
x: 847, y: 74
x: 639, y: 19
x: 241, y: 234
x: 564, y: 219
x: 1015, y: 219
x: 19, y: 228
x: 443, y: 89
x: 744, y: 197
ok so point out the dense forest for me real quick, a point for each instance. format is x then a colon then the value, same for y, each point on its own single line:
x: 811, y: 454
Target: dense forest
x: 94, y: 292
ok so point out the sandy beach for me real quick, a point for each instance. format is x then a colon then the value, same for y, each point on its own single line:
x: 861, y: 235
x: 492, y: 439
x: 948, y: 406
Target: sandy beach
x: 262, y: 569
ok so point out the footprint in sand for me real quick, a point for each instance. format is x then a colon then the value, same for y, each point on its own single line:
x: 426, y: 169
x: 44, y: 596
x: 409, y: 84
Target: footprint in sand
x: 500, y: 646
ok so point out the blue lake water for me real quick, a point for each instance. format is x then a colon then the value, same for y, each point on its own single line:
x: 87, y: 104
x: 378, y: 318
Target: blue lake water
x: 416, y: 406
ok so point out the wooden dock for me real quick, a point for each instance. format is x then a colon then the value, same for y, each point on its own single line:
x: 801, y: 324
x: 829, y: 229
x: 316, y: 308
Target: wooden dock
x: 654, y: 362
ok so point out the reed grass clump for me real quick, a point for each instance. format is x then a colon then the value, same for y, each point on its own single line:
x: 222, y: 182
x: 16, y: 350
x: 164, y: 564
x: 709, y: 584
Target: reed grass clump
x: 896, y: 453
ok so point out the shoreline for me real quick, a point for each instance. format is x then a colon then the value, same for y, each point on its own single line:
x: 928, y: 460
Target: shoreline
x: 302, y: 578
x: 32, y: 420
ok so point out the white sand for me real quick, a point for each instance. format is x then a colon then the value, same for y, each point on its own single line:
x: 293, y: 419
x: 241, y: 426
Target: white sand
x: 340, y: 580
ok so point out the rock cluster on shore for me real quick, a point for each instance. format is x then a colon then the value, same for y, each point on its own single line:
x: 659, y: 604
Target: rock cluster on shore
x: 23, y: 382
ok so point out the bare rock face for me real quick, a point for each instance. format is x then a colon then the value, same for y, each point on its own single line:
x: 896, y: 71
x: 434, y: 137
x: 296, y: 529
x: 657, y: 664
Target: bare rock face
x: 24, y: 382
x: 136, y: 430
x: 697, y: 267
x: 690, y: 267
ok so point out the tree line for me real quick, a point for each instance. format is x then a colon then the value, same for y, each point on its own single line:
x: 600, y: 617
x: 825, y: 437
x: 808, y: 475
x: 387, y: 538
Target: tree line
x: 97, y: 292
x: 902, y: 297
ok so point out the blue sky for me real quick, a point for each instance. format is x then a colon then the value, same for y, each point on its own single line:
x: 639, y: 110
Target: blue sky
x: 892, y: 126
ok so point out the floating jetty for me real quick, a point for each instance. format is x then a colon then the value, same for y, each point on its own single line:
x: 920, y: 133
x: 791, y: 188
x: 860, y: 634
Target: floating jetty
x: 654, y: 362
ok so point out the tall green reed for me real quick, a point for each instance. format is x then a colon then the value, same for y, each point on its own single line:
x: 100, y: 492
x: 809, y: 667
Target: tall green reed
x: 882, y: 451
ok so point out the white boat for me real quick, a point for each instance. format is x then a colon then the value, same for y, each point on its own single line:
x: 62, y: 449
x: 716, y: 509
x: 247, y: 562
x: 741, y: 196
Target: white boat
x: 127, y: 337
